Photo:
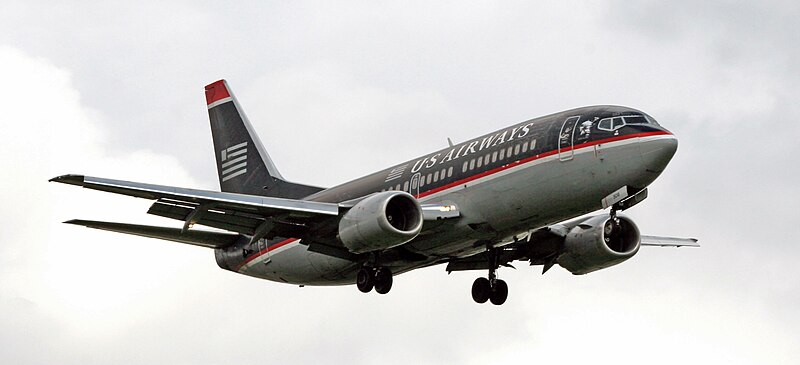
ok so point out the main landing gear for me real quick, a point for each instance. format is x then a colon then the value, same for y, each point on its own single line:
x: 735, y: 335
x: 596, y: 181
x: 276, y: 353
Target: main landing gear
x: 379, y: 278
x: 491, y: 289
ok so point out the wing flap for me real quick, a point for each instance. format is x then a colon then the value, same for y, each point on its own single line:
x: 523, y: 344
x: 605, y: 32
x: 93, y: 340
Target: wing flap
x: 192, y: 237
x: 231, y: 221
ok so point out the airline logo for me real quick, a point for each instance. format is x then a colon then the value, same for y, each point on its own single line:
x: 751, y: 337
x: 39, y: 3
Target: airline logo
x: 234, y: 161
x: 396, y: 173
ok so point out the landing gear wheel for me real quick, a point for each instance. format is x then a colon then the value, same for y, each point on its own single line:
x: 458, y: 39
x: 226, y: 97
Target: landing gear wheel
x: 499, y: 292
x: 365, y: 280
x: 481, y: 289
x: 383, y: 280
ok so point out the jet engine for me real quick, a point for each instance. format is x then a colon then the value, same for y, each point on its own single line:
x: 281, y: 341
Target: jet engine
x: 380, y: 221
x: 599, y: 242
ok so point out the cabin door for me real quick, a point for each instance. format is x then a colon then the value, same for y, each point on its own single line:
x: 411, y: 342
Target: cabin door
x: 414, y: 188
x: 566, y: 138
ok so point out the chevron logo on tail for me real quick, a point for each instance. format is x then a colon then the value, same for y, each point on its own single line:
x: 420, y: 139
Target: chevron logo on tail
x: 234, y: 161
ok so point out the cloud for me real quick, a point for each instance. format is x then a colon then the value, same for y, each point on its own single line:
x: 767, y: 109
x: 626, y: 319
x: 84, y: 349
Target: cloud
x: 92, y: 89
x: 54, y: 273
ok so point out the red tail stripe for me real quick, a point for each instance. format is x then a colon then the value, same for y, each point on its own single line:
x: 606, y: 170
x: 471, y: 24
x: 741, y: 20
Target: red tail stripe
x: 216, y: 91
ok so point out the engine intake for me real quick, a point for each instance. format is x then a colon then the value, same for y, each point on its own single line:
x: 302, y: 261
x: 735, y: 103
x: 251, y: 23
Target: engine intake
x: 381, y: 221
x: 599, y: 242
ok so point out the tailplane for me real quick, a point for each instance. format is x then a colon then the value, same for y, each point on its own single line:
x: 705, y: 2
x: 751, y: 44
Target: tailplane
x: 243, y: 165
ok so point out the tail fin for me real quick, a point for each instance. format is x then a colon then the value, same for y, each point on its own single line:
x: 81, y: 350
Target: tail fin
x: 244, y: 166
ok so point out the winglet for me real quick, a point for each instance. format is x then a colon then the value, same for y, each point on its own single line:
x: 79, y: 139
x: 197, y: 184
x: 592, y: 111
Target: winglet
x: 68, y: 179
x: 217, y: 93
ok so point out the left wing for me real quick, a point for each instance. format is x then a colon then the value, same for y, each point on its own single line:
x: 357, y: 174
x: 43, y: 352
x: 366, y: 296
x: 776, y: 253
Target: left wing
x: 544, y: 246
x: 252, y: 215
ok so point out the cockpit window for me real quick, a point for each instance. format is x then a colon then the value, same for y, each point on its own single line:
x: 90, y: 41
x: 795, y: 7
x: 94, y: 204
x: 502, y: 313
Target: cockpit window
x: 610, y: 124
x: 651, y: 120
x: 635, y: 119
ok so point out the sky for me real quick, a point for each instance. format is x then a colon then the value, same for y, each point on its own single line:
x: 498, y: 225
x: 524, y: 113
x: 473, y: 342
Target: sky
x: 340, y: 90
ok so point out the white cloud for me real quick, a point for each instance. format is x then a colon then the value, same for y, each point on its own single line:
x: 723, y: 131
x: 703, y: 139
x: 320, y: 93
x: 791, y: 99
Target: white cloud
x: 77, y: 278
x: 368, y: 85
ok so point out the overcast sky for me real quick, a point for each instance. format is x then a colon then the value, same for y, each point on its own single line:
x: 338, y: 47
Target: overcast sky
x: 339, y: 90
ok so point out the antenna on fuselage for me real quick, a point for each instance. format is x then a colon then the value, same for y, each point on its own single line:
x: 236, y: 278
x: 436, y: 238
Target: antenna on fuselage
x: 449, y: 141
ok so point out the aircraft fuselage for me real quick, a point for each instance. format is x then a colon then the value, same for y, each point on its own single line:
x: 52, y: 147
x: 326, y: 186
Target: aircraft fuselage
x: 505, y: 183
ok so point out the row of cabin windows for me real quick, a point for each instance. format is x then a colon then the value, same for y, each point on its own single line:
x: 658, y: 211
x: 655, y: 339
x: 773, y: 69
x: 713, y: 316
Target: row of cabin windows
x: 426, y: 179
x: 472, y: 164
x: 497, y: 156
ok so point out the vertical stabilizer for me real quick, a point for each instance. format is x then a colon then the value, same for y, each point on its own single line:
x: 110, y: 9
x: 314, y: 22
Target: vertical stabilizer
x: 243, y: 164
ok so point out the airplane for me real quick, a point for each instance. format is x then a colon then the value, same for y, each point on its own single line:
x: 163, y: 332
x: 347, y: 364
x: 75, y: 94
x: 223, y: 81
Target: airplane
x: 520, y: 193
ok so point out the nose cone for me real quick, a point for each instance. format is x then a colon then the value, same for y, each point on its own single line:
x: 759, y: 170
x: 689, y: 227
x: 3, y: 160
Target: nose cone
x: 657, y: 151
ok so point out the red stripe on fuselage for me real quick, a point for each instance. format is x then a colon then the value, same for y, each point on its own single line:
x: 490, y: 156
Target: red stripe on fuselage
x: 539, y: 156
x: 272, y: 247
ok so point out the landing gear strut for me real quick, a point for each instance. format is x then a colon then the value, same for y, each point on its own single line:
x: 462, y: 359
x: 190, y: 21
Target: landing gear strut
x: 492, y: 288
x: 612, y: 225
x: 368, y: 278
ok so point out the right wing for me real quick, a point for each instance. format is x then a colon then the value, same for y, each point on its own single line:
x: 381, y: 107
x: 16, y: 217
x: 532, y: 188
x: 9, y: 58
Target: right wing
x: 668, y: 241
x: 252, y: 215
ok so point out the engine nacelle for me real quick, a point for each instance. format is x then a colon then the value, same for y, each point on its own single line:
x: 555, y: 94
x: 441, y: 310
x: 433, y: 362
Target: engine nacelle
x: 380, y: 221
x: 598, y: 243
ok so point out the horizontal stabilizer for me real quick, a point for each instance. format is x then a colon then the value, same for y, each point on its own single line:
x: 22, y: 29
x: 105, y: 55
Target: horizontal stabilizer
x: 192, y: 237
x: 669, y: 241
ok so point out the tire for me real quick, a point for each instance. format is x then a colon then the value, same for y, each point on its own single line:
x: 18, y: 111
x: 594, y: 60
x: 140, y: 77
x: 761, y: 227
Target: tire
x: 383, y: 281
x: 365, y: 280
x: 481, y: 289
x: 499, y: 292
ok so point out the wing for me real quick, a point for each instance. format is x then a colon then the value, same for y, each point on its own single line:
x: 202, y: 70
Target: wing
x: 251, y: 215
x: 668, y: 241
x: 544, y: 246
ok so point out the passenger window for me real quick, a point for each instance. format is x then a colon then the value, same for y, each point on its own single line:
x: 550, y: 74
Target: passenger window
x: 422, y: 181
x: 429, y: 179
x: 508, y: 152
x: 464, y: 169
x: 480, y: 162
x: 486, y: 159
x: 436, y: 176
x: 502, y: 154
x: 405, y: 186
x: 441, y: 174
x: 472, y: 164
x: 494, y: 156
x: 450, y: 171
x: 397, y: 187
x: 516, y: 150
x: 525, y: 147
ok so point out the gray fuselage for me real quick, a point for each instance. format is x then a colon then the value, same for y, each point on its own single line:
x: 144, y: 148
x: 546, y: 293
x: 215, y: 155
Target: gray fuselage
x: 505, y: 184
